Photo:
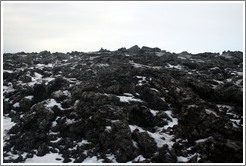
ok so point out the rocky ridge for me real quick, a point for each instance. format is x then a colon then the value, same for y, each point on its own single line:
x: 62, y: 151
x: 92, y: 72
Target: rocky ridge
x: 129, y: 105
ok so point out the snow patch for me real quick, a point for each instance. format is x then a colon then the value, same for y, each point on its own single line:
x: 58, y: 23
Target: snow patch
x: 7, y: 125
x: 29, y: 97
x: 48, y: 158
x: 208, y: 111
x: 203, y: 140
x: 50, y: 103
x: 111, y: 157
x: 102, y: 65
x: 108, y: 128
x: 133, y: 127
x: 154, y: 112
x: 139, y: 158
x: 174, y: 121
x: 138, y: 65
x: 93, y: 159
x: 16, y: 105
x: 8, y: 71
x: 56, y: 141
x: 169, y: 66
x: 83, y: 142
x: 159, y: 54
x: 41, y: 66
x: 142, y: 80
x: 8, y: 89
x: 127, y: 99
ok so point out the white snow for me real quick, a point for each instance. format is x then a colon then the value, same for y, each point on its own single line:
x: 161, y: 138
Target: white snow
x: 208, y: 111
x: 78, y: 144
x: 67, y: 93
x: 113, y: 121
x: 48, y: 79
x: 16, y: 105
x: 138, y: 65
x: 182, y: 159
x: 192, y: 106
x: 159, y: 54
x: 159, y: 137
x: 171, y: 123
x: 93, y: 159
x: 184, y: 56
x: 41, y: 66
x: 37, y: 76
x: 93, y: 57
x: 240, y: 73
x: 238, y: 82
x: 7, y: 125
x: 70, y: 121
x: 83, y: 142
x: 11, y: 156
x: 203, y: 140
x: 219, y: 82
x: 108, y: 128
x: 135, y: 144
x: 102, y: 65
x: 133, y: 127
x: 48, y: 158
x: 178, y: 89
x: 127, y: 99
x: 111, y: 157
x: 128, y: 94
x: 154, y: 112
x: 235, y: 122
x: 214, y: 68
x: 162, y: 139
x: 55, y: 141
x: 154, y: 89
x: 29, y: 97
x: 220, y: 106
x: 142, y: 80
x: 139, y: 158
x: 54, y: 123
x: 8, y: 89
x: 174, y: 66
x: 61, y: 93
x: 8, y: 71
x: 50, y: 103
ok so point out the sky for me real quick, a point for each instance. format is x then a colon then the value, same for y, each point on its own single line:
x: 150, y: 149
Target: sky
x: 88, y: 26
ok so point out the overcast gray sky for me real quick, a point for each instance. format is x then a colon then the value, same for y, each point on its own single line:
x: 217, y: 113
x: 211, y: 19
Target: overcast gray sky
x: 88, y: 26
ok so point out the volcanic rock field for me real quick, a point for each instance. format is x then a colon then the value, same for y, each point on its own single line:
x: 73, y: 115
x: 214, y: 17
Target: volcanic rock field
x: 135, y: 105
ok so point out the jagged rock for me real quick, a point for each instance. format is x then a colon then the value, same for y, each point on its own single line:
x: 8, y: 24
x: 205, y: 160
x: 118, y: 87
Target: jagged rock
x: 146, y: 143
x: 133, y: 49
x: 153, y: 100
x: 122, y: 141
x: 42, y: 150
x: 165, y: 156
x: 6, y: 107
x: 148, y: 49
x: 140, y: 116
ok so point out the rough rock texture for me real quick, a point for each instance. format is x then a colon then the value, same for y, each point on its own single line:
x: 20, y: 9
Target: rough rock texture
x: 129, y: 105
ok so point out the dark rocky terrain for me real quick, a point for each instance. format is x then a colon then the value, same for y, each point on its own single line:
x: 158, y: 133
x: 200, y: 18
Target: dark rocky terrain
x: 130, y: 105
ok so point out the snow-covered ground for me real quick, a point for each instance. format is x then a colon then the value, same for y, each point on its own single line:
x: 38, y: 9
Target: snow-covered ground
x: 48, y: 158
x: 7, y: 125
